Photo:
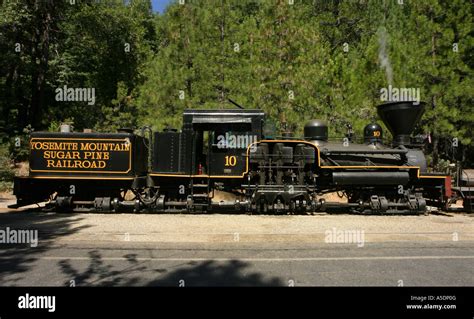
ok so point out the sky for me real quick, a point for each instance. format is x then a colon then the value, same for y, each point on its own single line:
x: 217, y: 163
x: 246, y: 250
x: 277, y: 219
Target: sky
x: 159, y: 5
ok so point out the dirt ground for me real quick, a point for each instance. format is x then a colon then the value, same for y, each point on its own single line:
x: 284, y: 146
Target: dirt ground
x: 6, y: 196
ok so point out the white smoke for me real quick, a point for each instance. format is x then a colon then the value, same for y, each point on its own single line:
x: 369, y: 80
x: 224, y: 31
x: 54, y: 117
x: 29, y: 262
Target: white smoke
x: 384, y: 59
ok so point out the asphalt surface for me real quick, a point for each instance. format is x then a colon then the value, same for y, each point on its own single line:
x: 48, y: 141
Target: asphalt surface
x: 239, y: 250
x: 388, y: 264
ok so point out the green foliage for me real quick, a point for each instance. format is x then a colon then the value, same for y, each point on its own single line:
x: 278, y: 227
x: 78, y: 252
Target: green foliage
x: 52, y: 44
x: 6, y: 169
x: 54, y: 126
x: 313, y: 60
x: 18, y: 145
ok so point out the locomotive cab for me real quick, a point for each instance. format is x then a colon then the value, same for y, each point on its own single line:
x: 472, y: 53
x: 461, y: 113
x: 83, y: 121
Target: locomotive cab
x: 211, y: 143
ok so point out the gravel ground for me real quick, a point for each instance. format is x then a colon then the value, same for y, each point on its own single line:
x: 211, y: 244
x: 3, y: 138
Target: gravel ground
x: 243, y: 228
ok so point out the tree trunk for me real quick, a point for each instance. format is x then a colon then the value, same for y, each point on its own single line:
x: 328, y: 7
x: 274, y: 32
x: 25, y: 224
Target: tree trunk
x: 40, y: 52
x: 435, y: 133
x: 8, y: 90
x: 435, y: 139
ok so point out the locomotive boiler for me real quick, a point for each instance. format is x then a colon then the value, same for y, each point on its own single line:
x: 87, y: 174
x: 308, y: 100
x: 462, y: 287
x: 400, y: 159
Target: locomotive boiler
x: 232, y: 151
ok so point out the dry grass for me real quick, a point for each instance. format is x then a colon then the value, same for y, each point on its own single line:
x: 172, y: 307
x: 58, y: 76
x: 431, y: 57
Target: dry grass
x: 22, y: 169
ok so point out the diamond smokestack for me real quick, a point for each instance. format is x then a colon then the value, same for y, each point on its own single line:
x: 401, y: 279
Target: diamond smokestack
x: 401, y: 118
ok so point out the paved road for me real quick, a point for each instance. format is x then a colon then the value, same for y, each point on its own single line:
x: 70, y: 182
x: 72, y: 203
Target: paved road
x: 233, y: 250
x: 389, y: 264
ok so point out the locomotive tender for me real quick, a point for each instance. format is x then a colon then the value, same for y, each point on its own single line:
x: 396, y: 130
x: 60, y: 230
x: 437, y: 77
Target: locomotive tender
x: 232, y: 151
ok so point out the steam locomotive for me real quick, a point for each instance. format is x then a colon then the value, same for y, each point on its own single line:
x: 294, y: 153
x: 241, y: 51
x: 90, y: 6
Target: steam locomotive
x: 233, y: 151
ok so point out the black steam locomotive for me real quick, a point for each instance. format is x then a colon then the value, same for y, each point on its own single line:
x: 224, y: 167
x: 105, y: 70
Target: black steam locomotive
x: 234, y: 152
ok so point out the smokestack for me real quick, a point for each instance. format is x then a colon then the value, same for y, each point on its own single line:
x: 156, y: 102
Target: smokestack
x: 401, y: 118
